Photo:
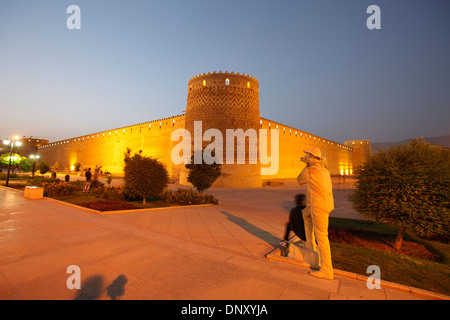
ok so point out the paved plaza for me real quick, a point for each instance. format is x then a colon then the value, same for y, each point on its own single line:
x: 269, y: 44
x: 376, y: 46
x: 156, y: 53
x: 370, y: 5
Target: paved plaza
x: 185, y: 253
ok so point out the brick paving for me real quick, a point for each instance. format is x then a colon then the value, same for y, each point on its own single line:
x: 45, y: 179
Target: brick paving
x: 188, y: 253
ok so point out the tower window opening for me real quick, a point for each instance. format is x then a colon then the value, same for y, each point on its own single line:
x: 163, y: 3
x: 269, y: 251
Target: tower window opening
x: 248, y: 85
x: 204, y: 83
x: 227, y: 82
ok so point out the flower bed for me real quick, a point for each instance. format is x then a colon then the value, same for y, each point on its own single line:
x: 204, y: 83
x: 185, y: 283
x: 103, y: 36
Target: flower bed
x: 187, y: 197
x: 105, y: 205
x: 57, y: 188
x: 109, y: 193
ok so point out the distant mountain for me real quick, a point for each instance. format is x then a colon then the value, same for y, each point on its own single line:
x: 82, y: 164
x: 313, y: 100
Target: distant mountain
x: 443, y: 141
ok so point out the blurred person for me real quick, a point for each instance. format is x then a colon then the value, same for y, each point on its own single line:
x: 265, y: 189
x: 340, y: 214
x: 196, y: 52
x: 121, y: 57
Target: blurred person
x: 295, y: 222
x: 88, y: 176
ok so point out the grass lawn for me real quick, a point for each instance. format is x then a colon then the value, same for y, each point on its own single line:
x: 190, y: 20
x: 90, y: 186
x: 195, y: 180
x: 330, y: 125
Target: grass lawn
x: 399, y: 268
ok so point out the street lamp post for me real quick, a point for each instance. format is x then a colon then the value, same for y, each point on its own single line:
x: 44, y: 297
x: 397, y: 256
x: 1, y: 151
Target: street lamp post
x: 34, y: 157
x: 12, y: 143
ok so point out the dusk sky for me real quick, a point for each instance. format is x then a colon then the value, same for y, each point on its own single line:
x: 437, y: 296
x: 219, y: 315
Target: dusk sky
x: 320, y: 69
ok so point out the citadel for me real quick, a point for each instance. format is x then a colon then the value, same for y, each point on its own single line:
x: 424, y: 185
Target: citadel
x: 221, y: 102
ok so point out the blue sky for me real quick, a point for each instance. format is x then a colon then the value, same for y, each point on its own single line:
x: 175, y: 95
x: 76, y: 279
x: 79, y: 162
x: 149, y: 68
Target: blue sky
x: 320, y: 69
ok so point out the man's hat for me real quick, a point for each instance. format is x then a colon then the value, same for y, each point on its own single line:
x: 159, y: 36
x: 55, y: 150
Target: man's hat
x: 315, y: 151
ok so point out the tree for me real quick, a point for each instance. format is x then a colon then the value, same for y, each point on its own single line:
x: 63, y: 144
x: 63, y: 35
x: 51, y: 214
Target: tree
x: 55, y: 166
x: 15, y: 159
x: 43, y: 167
x: 407, y: 186
x: 144, y: 176
x: 76, y: 167
x: 203, y: 175
x: 26, y: 165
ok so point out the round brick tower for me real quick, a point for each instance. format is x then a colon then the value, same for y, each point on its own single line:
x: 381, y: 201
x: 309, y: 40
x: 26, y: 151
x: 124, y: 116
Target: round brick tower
x: 227, y: 101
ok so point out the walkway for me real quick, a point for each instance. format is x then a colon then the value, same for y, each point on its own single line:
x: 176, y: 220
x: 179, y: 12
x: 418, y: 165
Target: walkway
x: 203, y: 252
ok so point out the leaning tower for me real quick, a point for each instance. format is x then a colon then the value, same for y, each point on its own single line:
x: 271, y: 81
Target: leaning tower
x: 226, y: 101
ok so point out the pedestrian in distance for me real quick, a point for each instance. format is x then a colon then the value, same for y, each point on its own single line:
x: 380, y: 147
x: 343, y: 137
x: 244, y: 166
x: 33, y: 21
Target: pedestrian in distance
x: 88, y: 176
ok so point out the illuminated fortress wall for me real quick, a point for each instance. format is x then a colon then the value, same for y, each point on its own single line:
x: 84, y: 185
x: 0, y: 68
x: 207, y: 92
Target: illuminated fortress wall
x: 292, y: 143
x: 362, y: 151
x: 221, y: 101
x: 107, y: 148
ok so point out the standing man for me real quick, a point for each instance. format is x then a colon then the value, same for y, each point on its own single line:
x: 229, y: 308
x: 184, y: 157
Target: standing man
x: 319, y: 204
x: 88, y: 176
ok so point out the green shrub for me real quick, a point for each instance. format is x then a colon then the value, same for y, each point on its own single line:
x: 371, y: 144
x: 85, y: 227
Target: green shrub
x: 57, y: 188
x: 78, y: 185
x: 43, y: 167
x: 39, y: 180
x: 96, y: 184
x: 76, y: 167
x: 144, y: 176
x: 109, y: 193
x: 407, y: 186
x: 187, y: 197
x: 11, y: 176
x: 108, y: 178
x: 203, y: 175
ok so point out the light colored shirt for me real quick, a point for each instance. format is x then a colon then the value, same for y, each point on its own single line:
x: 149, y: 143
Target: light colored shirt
x: 319, y: 190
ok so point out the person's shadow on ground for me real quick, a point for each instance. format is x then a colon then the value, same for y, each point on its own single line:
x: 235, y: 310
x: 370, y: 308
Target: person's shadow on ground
x: 92, y: 288
x: 260, y: 233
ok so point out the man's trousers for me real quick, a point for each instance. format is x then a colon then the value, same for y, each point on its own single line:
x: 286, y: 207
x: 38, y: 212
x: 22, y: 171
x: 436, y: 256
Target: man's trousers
x: 316, y: 228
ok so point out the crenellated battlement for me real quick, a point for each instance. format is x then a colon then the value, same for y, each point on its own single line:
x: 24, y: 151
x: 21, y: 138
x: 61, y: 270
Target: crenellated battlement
x: 139, y: 128
x: 224, y: 80
x: 222, y: 73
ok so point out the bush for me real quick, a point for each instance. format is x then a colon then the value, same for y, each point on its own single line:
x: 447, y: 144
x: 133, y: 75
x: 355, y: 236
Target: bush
x: 203, y: 175
x: 407, y: 186
x: 109, y: 193
x: 108, y: 178
x: 187, y: 197
x: 78, y: 185
x: 55, y: 167
x: 39, y: 180
x: 43, y: 167
x: 96, y: 184
x: 57, y: 188
x: 144, y: 176
x: 11, y: 176
x: 76, y: 167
